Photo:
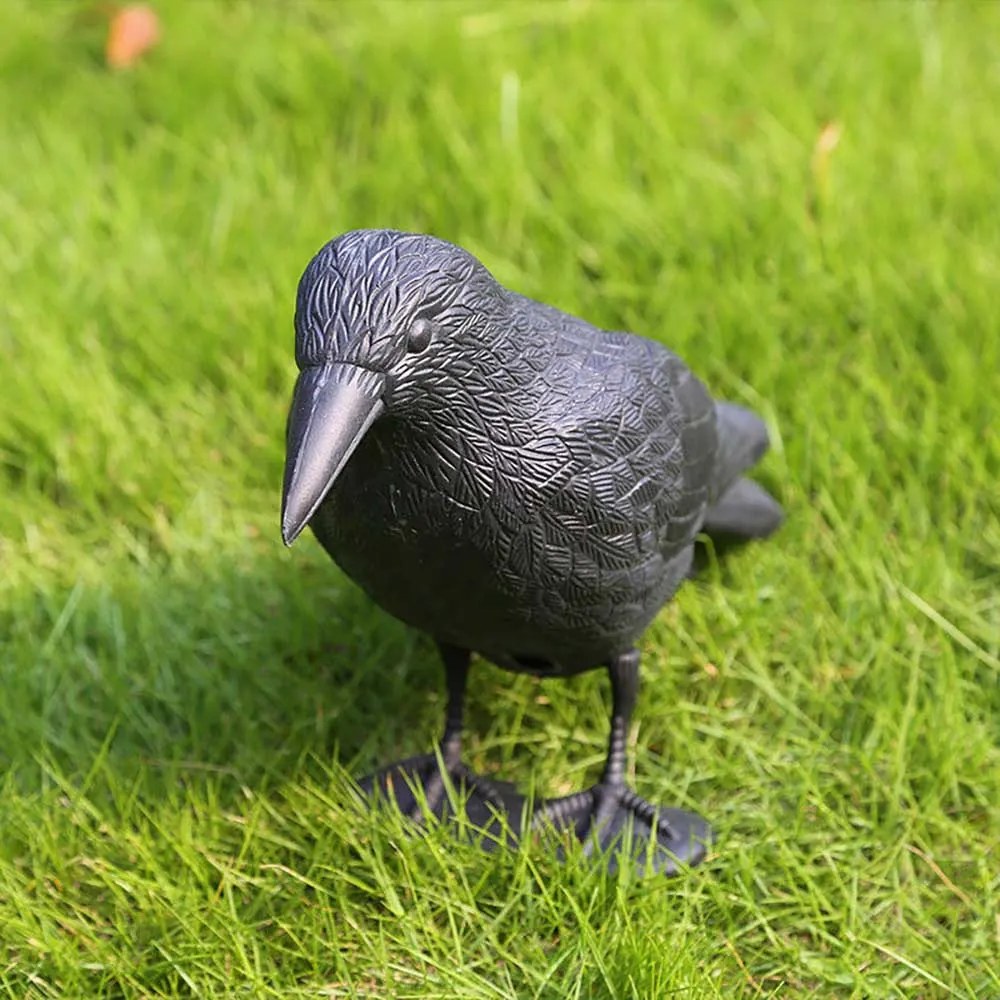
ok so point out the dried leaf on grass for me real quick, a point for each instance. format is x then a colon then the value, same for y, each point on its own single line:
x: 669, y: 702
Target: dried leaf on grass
x: 132, y: 32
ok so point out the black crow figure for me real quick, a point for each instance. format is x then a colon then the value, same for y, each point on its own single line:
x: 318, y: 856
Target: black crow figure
x: 514, y: 482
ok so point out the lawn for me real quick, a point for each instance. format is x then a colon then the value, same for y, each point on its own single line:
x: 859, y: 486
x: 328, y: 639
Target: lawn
x: 802, y: 200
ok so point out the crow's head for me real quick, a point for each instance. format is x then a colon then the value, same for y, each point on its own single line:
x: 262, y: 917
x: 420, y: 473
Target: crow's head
x: 381, y: 317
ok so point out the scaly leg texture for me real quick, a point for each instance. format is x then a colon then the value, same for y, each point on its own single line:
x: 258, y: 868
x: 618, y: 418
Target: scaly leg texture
x: 419, y: 784
x: 611, y: 817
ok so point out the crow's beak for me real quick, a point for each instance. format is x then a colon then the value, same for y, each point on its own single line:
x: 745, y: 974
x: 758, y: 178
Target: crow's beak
x: 332, y: 408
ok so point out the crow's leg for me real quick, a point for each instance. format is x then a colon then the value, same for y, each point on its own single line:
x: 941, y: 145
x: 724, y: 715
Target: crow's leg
x: 437, y: 782
x: 611, y: 817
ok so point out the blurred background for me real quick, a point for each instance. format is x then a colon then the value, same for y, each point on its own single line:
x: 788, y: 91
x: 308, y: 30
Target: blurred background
x: 798, y: 199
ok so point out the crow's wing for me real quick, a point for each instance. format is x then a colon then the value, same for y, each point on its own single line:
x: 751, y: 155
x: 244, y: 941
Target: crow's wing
x: 630, y: 434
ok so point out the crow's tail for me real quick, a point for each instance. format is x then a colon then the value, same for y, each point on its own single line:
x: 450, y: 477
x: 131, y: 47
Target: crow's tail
x: 741, y: 508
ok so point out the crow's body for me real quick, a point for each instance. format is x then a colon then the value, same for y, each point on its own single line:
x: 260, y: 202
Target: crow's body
x: 564, y: 522
x: 530, y: 486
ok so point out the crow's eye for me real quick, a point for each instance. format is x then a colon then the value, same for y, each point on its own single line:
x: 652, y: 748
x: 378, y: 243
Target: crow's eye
x: 421, y: 332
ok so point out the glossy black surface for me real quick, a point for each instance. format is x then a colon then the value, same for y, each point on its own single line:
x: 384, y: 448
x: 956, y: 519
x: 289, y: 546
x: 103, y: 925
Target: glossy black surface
x: 498, y: 473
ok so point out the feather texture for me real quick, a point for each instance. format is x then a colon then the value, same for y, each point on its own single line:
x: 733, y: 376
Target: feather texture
x: 535, y: 486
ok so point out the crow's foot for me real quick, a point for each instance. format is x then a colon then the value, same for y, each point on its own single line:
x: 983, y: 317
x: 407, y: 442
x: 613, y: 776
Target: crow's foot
x: 615, y: 821
x: 417, y: 786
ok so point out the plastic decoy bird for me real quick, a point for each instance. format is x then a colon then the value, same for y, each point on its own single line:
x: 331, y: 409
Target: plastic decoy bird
x: 517, y: 484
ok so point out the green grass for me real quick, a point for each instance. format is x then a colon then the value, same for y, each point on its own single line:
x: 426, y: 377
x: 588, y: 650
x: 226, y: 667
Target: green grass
x: 182, y: 701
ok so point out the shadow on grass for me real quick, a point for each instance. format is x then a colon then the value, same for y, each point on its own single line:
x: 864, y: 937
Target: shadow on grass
x: 245, y: 666
x: 249, y: 666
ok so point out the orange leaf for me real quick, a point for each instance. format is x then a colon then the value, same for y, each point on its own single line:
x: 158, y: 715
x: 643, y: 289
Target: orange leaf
x: 826, y: 143
x: 133, y: 30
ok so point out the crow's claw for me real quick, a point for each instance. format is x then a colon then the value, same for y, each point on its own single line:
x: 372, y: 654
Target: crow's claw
x: 614, y: 821
x: 417, y: 786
